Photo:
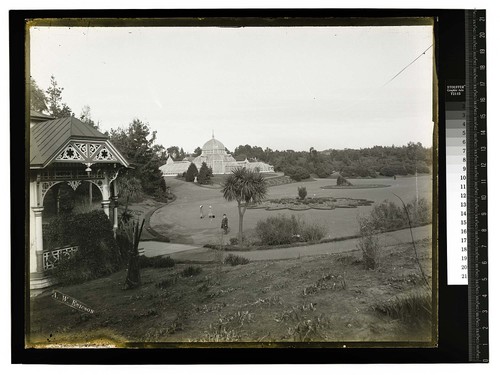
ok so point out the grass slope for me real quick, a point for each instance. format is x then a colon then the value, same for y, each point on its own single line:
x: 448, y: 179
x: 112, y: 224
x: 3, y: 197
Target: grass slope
x: 329, y: 298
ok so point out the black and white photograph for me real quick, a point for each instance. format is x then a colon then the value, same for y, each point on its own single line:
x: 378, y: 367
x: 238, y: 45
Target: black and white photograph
x: 265, y: 184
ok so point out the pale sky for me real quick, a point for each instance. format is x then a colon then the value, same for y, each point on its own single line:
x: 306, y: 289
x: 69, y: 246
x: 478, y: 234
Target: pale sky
x: 283, y: 88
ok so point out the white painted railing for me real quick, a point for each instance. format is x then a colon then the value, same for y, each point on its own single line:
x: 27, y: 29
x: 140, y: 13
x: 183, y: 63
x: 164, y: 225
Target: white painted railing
x: 51, y: 258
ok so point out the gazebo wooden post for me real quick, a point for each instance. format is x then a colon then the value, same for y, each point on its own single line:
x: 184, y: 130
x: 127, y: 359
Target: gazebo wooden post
x: 38, y: 264
x: 105, y: 194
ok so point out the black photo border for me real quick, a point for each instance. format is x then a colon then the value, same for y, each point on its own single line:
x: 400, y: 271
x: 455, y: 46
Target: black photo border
x: 452, y: 300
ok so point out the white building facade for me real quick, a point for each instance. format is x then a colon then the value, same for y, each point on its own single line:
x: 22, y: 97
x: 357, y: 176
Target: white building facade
x: 214, y: 154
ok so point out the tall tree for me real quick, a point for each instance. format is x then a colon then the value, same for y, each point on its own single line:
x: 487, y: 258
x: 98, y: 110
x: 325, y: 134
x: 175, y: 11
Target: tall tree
x: 56, y: 107
x: 197, y: 151
x: 182, y: 154
x: 191, y: 172
x: 174, y: 152
x: 244, y: 187
x: 86, y: 117
x: 38, y: 100
x: 137, y: 144
x: 204, y: 174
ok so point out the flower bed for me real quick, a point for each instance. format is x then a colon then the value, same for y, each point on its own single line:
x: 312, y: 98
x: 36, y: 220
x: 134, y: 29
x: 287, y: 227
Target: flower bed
x: 321, y: 203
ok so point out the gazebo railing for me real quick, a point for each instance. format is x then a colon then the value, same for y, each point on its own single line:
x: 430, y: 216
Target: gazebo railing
x: 51, y: 258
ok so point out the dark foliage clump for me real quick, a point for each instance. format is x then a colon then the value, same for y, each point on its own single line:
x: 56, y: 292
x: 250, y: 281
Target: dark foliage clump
x: 98, y: 254
x: 205, y: 174
x: 235, y: 260
x: 191, y: 173
x: 191, y: 271
x: 281, y: 229
x: 156, y: 262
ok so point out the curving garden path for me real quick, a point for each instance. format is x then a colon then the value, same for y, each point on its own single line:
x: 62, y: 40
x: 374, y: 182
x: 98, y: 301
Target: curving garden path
x: 180, y: 220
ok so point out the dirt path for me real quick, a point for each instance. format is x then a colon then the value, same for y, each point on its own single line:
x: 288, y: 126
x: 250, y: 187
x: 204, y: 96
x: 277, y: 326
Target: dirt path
x: 199, y: 254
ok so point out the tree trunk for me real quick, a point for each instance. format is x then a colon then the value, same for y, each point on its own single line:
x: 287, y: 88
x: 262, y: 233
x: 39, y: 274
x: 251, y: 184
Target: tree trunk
x: 90, y: 194
x: 240, y: 227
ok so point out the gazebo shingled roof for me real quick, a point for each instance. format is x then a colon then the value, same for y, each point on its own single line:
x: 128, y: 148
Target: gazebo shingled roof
x: 48, y: 137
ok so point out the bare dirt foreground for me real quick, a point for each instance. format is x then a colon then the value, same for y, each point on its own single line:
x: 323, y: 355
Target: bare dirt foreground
x: 327, y: 298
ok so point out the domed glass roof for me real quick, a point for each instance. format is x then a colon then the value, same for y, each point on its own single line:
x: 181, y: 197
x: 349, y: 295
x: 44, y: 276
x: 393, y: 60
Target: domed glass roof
x: 213, y: 145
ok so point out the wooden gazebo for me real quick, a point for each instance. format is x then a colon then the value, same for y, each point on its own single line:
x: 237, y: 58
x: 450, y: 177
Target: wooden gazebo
x: 66, y: 151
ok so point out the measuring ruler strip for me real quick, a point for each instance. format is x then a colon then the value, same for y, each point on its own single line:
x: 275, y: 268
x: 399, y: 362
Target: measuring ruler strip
x: 477, y: 226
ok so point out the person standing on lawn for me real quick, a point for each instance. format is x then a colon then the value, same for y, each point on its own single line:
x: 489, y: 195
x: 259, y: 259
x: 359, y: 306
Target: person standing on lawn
x: 225, y: 223
x: 210, y: 213
x: 201, y: 211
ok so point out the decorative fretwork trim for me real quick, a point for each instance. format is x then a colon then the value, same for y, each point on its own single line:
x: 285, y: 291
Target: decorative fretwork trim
x: 93, y: 147
x: 105, y: 155
x: 70, y: 153
x: 46, y: 185
x: 82, y: 147
x: 74, y: 184
x: 51, y: 258
x: 85, y: 152
x: 114, y: 175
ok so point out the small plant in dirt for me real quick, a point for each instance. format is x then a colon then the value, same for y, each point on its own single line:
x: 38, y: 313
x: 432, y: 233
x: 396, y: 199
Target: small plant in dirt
x: 218, y: 332
x: 413, y: 310
x: 178, y: 324
x: 191, y: 271
x: 235, y: 260
x: 368, y: 243
x: 156, y: 262
x: 165, y: 284
x: 302, y: 191
x: 310, y: 329
x: 205, y: 287
x: 233, y: 241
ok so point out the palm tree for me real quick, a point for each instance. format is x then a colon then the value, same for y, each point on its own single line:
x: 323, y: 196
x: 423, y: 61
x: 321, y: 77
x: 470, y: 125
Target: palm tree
x: 244, y: 187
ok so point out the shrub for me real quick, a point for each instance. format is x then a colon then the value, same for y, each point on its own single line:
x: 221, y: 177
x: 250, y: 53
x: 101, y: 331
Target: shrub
x: 389, y: 216
x: 156, y: 262
x: 278, y: 230
x: 191, y: 173
x: 394, y: 169
x: 368, y: 243
x: 313, y: 232
x: 419, y: 211
x: 302, y: 191
x: 234, y: 241
x: 205, y: 174
x: 414, y: 309
x: 166, y: 283
x: 297, y: 173
x: 322, y: 171
x: 98, y: 254
x: 235, y: 260
x: 341, y: 181
x: 130, y: 188
x: 191, y: 271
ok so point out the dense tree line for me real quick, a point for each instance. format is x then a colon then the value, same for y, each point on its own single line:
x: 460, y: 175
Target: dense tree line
x: 367, y: 162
